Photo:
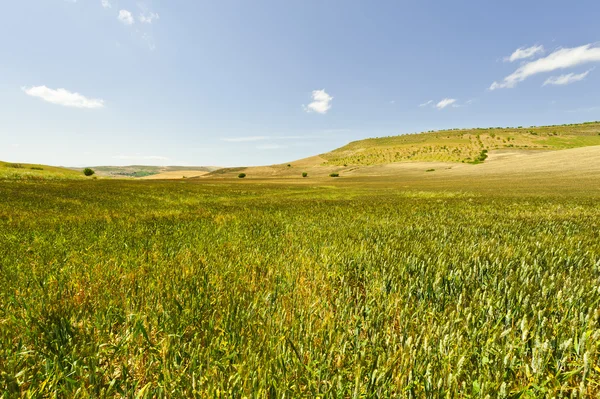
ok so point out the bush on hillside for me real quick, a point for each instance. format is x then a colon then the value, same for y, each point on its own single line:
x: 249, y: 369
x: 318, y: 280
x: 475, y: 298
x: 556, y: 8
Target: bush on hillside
x: 88, y: 172
x: 334, y: 175
x: 242, y: 175
x: 304, y: 174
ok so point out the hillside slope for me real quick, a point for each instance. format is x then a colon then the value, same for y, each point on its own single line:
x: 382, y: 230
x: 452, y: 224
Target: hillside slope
x: 507, y: 150
x: 462, y: 145
x: 26, y: 171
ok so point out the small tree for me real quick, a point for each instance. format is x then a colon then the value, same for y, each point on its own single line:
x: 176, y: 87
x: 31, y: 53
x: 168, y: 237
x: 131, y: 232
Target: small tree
x: 304, y: 174
x: 334, y: 175
x: 242, y: 175
x: 88, y: 171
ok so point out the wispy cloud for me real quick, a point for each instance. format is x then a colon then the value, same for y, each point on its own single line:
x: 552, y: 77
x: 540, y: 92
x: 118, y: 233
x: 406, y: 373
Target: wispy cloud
x: 588, y: 109
x: 560, y: 59
x: 270, y: 146
x: 426, y: 103
x: 321, y: 102
x: 138, y: 157
x: 63, y: 97
x: 126, y: 17
x: 148, y: 18
x: 106, y: 4
x: 566, y: 79
x: 523, y: 53
x: 446, y: 102
x: 322, y: 134
x: 244, y: 139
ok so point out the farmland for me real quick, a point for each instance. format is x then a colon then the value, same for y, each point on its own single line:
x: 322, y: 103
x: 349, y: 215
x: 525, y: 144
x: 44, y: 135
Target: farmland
x: 404, y: 286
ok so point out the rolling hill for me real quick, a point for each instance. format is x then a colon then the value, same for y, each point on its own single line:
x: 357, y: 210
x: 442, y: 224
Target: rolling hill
x: 460, y: 145
x: 153, y: 172
x: 509, y: 150
x: 26, y: 171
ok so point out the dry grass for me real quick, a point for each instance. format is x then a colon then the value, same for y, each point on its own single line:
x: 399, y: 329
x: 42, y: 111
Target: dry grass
x: 462, y: 145
x: 177, y: 174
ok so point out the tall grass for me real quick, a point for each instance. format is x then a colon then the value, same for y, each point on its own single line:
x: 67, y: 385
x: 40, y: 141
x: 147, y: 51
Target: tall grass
x: 183, y: 289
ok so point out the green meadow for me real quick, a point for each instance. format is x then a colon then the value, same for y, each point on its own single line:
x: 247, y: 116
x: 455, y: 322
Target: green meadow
x: 341, y: 288
x: 25, y: 171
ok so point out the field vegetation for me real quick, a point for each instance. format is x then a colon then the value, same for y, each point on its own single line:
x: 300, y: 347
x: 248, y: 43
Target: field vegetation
x: 315, y: 288
x: 462, y: 145
x: 24, y: 171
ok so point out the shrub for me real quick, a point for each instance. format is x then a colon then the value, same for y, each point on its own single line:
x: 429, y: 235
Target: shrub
x: 334, y: 175
x: 289, y: 165
x: 304, y: 174
x: 88, y: 171
x: 481, y: 157
x: 430, y: 170
x: 15, y: 165
x: 242, y: 175
x: 36, y: 168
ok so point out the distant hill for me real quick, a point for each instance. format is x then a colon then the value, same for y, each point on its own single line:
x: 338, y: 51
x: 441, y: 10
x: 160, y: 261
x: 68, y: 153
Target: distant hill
x: 27, y: 171
x: 462, y: 145
x: 145, y: 171
x: 500, y: 149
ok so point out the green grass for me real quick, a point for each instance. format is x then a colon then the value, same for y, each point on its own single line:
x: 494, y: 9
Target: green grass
x: 23, y: 171
x: 462, y: 145
x: 242, y: 288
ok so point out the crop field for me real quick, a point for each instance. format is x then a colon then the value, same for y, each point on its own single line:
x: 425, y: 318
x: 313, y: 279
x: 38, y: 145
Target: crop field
x: 311, y: 288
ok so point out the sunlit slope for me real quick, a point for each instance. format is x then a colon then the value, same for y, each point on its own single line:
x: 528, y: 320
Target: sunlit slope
x: 462, y: 145
x: 25, y: 171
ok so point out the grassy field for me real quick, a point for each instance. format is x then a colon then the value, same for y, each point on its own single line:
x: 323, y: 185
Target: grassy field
x: 25, y: 171
x: 462, y: 145
x: 349, y: 287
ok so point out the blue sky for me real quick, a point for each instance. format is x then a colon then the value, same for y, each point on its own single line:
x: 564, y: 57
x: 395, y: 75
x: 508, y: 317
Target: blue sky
x: 117, y: 82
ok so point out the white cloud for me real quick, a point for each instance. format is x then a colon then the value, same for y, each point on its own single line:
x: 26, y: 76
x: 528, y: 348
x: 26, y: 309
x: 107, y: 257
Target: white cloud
x: 321, y: 102
x: 106, y: 4
x: 63, y: 97
x: 522, y: 53
x: 126, y: 17
x: 560, y: 59
x: 566, y: 79
x: 445, y: 102
x: 244, y: 139
x: 588, y: 109
x: 148, y: 18
x: 426, y: 103
x: 270, y: 146
x: 138, y: 157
